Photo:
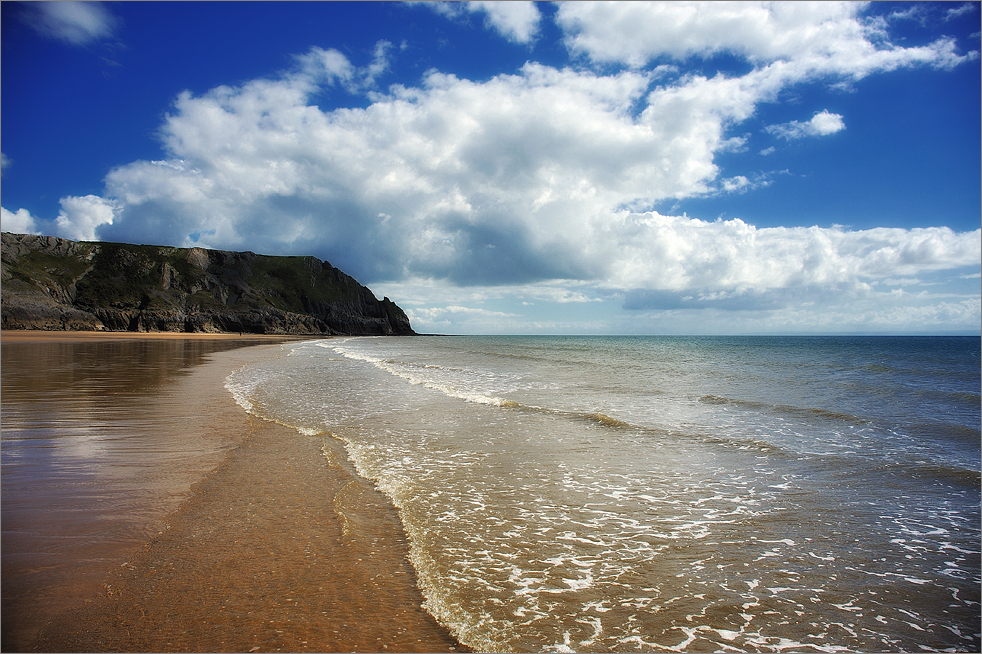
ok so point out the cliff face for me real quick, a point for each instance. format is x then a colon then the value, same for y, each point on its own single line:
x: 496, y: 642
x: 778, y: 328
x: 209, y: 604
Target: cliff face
x: 54, y: 284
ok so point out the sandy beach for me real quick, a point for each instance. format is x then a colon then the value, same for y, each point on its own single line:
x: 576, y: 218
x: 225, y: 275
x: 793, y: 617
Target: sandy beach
x: 174, y: 521
x: 37, y: 336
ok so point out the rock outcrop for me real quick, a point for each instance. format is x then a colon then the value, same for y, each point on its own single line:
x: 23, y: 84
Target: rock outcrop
x: 52, y: 283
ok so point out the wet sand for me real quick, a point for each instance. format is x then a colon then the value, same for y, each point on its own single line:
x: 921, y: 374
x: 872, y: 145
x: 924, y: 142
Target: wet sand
x: 40, y: 336
x: 279, y: 547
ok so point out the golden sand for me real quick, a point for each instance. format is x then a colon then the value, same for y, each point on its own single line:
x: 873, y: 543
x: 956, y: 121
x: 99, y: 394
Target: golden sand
x: 278, y: 548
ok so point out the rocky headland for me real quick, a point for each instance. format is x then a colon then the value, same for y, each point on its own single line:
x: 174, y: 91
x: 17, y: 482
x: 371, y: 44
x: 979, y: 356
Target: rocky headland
x: 50, y: 283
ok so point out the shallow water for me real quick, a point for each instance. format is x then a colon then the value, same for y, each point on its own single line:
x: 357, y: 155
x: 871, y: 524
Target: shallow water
x: 656, y: 493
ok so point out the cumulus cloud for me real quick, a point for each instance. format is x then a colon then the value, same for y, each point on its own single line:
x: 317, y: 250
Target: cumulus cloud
x: 513, y: 180
x: 516, y: 21
x: 76, y: 23
x: 727, y: 260
x: 668, y: 270
x: 542, y: 179
x: 81, y: 217
x: 441, y: 179
x: 815, y: 38
x: 19, y: 222
x: 822, y: 123
x: 635, y: 33
x: 319, y: 68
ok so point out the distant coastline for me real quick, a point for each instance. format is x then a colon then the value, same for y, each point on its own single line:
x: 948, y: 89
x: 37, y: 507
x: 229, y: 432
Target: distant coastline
x: 53, y: 284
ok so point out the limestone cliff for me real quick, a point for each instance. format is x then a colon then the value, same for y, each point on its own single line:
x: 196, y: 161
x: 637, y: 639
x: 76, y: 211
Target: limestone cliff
x: 55, y: 284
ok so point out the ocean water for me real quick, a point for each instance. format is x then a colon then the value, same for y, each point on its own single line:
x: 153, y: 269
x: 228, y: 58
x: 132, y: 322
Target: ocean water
x: 665, y: 493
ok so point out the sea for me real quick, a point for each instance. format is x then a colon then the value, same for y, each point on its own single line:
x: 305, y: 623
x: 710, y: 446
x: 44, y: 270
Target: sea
x: 637, y: 493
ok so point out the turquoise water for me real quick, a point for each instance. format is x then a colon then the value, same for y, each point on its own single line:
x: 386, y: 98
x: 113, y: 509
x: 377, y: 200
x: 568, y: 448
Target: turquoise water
x: 665, y: 493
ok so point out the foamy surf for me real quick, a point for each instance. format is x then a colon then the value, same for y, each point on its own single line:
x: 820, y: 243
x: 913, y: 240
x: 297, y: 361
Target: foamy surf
x: 559, y: 495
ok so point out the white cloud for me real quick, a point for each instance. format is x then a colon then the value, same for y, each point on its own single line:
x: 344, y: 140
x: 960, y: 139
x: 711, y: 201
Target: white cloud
x: 327, y: 68
x: 461, y: 319
x: 736, y: 184
x: 807, y: 309
x: 77, y: 23
x: 320, y: 66
x: 914, y: 12
x: 438, y: 313
x: 874, y: 312
x: 908, y: 281
x: 822, y: 123
x: 380, y: 62
x: 19, y: 222
x: 816, y: 38
x: 467, y: 159
x: 732, y: 258
x: 961, y: 10
x: 514, y: 180
x: 537, y: 183
x: 417, y: 292
x: 636, y: 33
x: 81, y: 217
x: 516, y: 21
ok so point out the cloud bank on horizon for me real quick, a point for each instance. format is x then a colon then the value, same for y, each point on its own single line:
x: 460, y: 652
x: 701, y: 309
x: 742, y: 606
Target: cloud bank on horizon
x: 539, y: 199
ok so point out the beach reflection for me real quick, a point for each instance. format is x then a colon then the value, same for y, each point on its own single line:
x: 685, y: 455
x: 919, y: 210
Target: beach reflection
x: 100, y: 440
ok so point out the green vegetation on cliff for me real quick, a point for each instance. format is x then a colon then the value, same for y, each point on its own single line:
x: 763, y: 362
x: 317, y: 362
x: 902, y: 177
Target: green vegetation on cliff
x: 53, y: 283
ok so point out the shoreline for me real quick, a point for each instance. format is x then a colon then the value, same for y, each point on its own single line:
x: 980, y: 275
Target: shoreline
x: 42, y: 335
x: 280, y: 547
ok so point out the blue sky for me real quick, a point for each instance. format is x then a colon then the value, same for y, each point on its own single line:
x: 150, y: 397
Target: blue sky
x: 525, y: 167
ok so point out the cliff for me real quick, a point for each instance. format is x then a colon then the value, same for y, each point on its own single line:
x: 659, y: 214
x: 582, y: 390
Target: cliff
x: 55, y: 284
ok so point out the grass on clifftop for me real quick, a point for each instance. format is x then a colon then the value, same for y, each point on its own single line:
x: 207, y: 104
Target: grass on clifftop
x: 124, y: 277
x: 133, y: 276
x: 42, y: 269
